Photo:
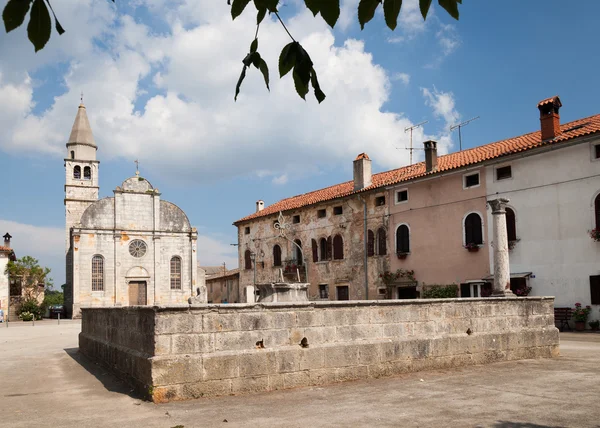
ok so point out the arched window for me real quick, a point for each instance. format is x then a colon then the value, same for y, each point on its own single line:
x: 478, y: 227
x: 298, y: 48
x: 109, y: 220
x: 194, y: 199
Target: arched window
x: 97, y: 273
x: 338, y: 248
x: 473, y: 230
x: 370, y: 243
x: 297, y: 252
x: 402, y: 239
x: 315, y: 251
x: 511, y: 225
x: 247, y: 260
x: 175, y: 273
x: 77, y: 172
x: 276, y: 255
x: 87, y: 173
x: 72, y: 154
x: 597, y: 211
x: 323, y: 249
x: 381, y: 242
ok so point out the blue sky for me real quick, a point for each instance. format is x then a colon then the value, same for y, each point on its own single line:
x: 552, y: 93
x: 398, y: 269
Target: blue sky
x: 158, y: 79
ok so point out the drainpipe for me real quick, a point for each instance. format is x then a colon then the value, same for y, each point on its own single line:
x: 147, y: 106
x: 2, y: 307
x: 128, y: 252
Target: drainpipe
x: 365, y: 246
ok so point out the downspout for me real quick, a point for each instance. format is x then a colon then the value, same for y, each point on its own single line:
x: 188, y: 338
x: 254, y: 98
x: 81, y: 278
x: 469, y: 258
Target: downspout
x: 365, y: 246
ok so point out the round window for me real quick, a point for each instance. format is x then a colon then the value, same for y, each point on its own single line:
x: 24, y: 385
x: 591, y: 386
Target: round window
x: 137, y: 248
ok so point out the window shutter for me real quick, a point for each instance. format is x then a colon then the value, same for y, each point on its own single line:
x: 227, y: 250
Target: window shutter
x: 473, y: 234
x: 329, y: 248
x: 402, y: 239
x: 381, y: 241
x: 338, y: 248
x: 315, y: 251
x: 511, y: 226
x: 370, y: 243
x: 247, y: 260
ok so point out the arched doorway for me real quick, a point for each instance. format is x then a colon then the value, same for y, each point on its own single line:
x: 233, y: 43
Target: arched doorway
x: 137, y: 286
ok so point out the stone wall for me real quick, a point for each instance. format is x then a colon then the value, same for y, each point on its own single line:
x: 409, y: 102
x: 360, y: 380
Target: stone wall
x: 178, y: 353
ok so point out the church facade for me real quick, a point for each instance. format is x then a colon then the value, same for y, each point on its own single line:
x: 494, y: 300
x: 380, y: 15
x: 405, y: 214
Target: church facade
x: 130, y: 249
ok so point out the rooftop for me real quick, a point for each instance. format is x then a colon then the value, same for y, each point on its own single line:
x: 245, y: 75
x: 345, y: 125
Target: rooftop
x: 569, y: 131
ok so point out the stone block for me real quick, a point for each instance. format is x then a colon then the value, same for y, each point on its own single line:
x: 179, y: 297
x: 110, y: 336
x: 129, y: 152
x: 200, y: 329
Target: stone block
x: 255, y: 321
x: 162, y: 344
x: 276, y: 382
x: 184, y: 343
x: 424, y: 329
x: 320, y: 335
x: 398, y: 330
x: 223, y: 366
x: 288, y: 360
x: 205, y: 342
x: 420, y: 348
x: 394, y: 350
x: 369, y: 353
x: 164, y: 394
x: 341, y: 355
x: 211, y: 388
x: 295, y: 336
x: 311, y: 358
x: 296, y: 379
x: 283, y: 320
x: 176, y: 369
x: 246, y: 385
x: 337, y: 316
x: 236, y: 340
x: 345, y: 374
x: 216, y: 322
x: 359, y: 332
x: 253, y: 363
x: 309, y: 318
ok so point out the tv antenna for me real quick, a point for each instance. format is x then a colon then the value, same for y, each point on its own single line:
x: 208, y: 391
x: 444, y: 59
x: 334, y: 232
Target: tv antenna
x: 460, y: 125
x: 410, y: 128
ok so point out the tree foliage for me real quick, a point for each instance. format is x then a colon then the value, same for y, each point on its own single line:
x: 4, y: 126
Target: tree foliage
x: 31, y: 275
x: 293, y: 57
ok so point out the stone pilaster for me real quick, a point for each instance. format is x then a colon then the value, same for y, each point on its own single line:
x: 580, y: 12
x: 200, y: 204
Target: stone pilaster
x: 500, y: 248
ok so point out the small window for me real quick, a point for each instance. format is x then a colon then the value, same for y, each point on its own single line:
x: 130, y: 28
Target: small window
x: 402, y: 239
x: 503, y: 173
x: 342, y: 292
x: 77, y: 172
x: 296, y: 219
x: 338, y: 210
x: 370, y: 243
x: 382, y: 291
x: 471, y: 180
x: 175, y: 273
x: 321, y: 213
x: 473, y: 229
x: 323, y: 250
x: 247, y: 260
x: 247, y: 230
x: 315, y: 251
x: 595, y: 289
x: 276, y: 255
x: 402, y: 196
x: 380, y: 201
x: 98, y: 273
x: 381, y: 242
x: 73, y: 154
x: 338, y: 248
x: 87, y: 173
x: 597, y: 151
x: 323, y: 291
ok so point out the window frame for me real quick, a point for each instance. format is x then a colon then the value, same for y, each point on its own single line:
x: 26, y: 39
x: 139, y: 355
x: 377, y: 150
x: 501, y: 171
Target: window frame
x: 471, y: 174
x: 595, y: 147
x: 322, y: 213
x: 380, y: 201
x: 277, y: 256
x: 464, y: 228
x: 514, y: 216
x: 498, y: 168
x: 324, y: 287
x: 397, y: 194
x: 338, y: 210
x: 86, y: 170
x: 247, y: 260
x: 338, y: 247
x: 247, y: 230
x: 379, y: 240
x: 296, y: 219
x: 595, y: 294
x: 77, y: 172
x: 396, y: 238
x: 99, y: 288
x: 175, y: 278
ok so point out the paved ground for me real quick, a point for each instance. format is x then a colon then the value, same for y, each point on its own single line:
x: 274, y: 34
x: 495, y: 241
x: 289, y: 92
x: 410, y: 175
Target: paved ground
x: 45, y: 382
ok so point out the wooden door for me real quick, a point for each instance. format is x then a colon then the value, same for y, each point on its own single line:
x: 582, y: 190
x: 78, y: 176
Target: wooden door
x: 137, y: 293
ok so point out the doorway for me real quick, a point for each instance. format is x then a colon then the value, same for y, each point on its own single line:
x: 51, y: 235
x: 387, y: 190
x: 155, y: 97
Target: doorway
x: 407, y: 292
x: 137, y: 293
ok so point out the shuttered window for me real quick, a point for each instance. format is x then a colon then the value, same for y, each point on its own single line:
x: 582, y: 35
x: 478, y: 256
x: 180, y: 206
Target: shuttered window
x: 370, y: 243
x: 511, y: 225
x: 315, y: 251
x: 298, y: 252
x: 473, y: 232
x: 595, y: 289
x: 276, y: 255
x: 323, y: 249
x: 381, y: 242
x: 402, y: 239
x: 247, y: 260
x: 338, y: 248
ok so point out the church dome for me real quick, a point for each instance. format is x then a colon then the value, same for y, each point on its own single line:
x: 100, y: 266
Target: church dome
x: 172, y: 218
x: 136, y: 184
x: 99, y: 215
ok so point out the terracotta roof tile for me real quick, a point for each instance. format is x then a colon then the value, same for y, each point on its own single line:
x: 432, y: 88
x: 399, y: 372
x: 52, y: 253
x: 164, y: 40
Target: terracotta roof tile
x: 571, y: 130
x: 5, y: 249
x: 550, y: 100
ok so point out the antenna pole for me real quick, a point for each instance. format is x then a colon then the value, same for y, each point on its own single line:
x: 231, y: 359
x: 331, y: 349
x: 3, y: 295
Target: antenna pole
x: 459, y: 126
x: 410, y: 128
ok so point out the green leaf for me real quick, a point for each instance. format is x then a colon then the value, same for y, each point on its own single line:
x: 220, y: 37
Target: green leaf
x: 264, y: 69
x: 287, y: 58
x: 239, y: 83
x: 59, y: 28
x: 319, y: 95
x: 424, y: 6
x: 302, y: 71
x: 254, y: 45
x: 256, y: 59
x: 272, y: 5
x: 330, y: 11
x: 261, y: 15
x: 301, y: 86
x: 391, y: 10
x: 238, y: 7
x: 366, y: 11
x: 451, y: 7
x: 249, y: 58
x: 40, y: 25
x: 313, y: 5
x: 14, y: 13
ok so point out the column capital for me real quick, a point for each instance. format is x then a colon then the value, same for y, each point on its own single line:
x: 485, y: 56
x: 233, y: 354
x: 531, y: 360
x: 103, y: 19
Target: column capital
x: 498, y: 205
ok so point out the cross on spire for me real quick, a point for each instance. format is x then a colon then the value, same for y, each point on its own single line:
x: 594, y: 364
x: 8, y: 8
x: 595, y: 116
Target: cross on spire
x: 81, y: 97
x: 137, y: 167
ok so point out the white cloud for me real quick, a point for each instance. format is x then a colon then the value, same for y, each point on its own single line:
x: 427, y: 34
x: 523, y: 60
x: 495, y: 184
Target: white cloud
x: 448, y: 38
x: 396, y: 39
x: 280, y: 180
x: 443, y: 105
x: 410, y: 19
x: 402, y: 77
x: 213, y: 252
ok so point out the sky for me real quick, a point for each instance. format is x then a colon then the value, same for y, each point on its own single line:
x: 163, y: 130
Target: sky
x: 159, y: 76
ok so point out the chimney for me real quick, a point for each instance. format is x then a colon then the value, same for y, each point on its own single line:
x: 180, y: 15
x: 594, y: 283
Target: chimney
x: 549, y: 117
x: 260, y: 205
x: 430, y: 155
x: 362, y: 172
x: 7, y: 240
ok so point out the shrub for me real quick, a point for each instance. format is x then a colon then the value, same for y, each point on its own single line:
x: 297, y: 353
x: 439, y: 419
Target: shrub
x: 31, y: 306
x: 26, y: 316
x: 441, y: 291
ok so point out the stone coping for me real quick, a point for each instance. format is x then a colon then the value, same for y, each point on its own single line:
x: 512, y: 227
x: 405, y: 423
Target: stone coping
x: 320, y: 304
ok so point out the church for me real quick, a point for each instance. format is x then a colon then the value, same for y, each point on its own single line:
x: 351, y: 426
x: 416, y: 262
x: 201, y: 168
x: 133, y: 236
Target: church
x: 130, y: 249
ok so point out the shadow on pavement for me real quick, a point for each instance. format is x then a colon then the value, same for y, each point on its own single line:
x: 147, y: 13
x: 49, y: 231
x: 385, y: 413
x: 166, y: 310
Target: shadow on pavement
x: 506, y: 424
x: 108, y: 380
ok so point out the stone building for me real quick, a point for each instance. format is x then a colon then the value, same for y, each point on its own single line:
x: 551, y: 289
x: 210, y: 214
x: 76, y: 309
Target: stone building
x: 130, y: 249
x: 6, y: 255
x: 224, y: 287
x: 432, y: 220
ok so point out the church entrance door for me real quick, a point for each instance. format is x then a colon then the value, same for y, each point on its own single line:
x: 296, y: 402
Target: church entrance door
x: 137, y: 293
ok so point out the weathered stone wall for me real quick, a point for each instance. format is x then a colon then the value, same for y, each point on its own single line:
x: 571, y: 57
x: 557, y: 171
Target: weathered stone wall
x: 208, y: 350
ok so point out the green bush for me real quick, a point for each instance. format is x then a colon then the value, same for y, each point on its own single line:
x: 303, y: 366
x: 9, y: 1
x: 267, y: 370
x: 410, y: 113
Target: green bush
x: 441, y: 291
x: 31, y: 306
x: 26, y: 316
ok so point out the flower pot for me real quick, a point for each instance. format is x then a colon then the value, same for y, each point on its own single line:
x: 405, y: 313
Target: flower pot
x: 473, y: 249
x: 402, y: 256
x: 579, y: 325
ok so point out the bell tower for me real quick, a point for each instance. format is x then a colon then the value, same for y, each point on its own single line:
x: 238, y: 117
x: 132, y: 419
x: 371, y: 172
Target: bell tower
x: 81, y: 188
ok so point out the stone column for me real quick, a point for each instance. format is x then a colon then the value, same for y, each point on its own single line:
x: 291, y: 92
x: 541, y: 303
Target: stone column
x: 500, y: 248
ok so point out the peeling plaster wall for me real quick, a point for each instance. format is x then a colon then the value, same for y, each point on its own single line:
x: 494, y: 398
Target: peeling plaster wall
x: 350, y: 225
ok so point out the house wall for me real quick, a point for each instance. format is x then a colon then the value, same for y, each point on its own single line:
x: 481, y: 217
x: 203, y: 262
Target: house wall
x: 224, y: 289
x: 350, y: 225
x: 435, y: 213
x: 552, y: 195
x: 4, y: 285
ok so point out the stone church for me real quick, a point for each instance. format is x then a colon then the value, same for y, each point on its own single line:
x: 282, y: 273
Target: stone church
x: 130, y: 249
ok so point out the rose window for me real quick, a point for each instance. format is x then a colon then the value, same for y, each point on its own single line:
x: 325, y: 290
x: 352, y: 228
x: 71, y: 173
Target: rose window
x: 137, y: 248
